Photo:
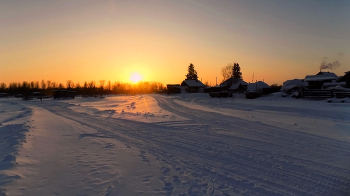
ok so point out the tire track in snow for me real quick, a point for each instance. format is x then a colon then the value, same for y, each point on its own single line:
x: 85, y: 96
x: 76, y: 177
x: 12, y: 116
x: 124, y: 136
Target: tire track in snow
x: 342, y: 147
x: 237, y: 158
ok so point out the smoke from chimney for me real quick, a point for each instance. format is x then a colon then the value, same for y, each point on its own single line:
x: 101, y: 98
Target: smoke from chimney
x: 325, y: 65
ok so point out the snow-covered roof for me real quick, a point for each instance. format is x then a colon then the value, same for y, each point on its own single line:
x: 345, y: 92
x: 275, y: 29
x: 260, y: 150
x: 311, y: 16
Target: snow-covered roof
x: 330, y: 74
x: 328, y: 85
x: 319, y: 78
x: 296, y: 82
x: 236, y: 85
x: 340, y: 88
x: 334, y: 83
x: 231, y: 81
x: 257, y: 86
x: 291, y: 84
x: 194, y: 83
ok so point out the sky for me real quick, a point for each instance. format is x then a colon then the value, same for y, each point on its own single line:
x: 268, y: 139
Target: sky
x: 84, y: 40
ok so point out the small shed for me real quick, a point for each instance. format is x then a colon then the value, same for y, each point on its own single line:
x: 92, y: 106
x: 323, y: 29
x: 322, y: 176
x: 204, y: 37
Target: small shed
x: 63, y: 94
x: 193, y: 86
x: 173, y: 88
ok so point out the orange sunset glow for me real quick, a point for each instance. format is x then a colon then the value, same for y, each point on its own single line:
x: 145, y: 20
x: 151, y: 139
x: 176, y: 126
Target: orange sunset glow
x: 109, y: 40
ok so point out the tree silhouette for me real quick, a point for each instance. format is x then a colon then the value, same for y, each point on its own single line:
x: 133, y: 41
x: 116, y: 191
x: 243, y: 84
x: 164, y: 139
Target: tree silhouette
x: 192, y: 73
x: 70, y: 84
x: 43, y: 84
x: 48, y: 84
x: 227, y: 71
x: 88, y: 89
x: 236, y: 71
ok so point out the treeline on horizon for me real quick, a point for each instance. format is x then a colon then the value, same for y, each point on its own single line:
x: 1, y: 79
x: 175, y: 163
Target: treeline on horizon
x: 91, y: 88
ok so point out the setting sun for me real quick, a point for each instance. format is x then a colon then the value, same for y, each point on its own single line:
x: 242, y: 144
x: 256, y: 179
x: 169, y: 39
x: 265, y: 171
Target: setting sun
x: 135, y: 77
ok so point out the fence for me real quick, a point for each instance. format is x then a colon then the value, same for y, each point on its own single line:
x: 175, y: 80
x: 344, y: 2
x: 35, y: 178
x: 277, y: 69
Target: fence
x: 322, y: 94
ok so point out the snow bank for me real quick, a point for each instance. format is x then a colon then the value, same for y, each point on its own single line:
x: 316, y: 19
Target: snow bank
x: 336, y: 100
x: 279, y: 94
x: 14, y: 119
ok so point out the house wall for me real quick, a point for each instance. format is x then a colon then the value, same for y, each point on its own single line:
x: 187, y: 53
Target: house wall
x: 240, y: 89
x: 192, y: 89
x: 184, y: 84
x: 174, y: 89
x: 317, y: 84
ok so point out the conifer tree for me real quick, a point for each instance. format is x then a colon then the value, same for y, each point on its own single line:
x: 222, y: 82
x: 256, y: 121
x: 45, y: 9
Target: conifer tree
x: 192, y: 73
x: 236, y: 71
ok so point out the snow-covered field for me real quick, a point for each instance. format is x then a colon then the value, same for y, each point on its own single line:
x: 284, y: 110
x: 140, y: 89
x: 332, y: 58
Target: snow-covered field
x: 188, y: 144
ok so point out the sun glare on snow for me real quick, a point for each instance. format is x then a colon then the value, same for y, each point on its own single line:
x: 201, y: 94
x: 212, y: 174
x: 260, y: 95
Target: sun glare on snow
x: 135, y: 77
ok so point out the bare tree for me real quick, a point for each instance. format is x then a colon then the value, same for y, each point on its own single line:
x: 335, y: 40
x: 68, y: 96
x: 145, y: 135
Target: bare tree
x: 70, y: 84
x: 2, y: 86
x: 92, y: 84
x: 85, y: 85
x: 78, y: 85
x: 53, y: 85
x: 48, y: 84
x: 25, y: 84
x: 61, y: 86
x: 102, y: 84
x: 36, y: 85
x: 109, y: 85
x: 31, y: 85
x: 43, y: 84
x: 226, y: 71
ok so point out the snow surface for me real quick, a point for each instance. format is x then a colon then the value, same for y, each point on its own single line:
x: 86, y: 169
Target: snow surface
x: 188, y: 144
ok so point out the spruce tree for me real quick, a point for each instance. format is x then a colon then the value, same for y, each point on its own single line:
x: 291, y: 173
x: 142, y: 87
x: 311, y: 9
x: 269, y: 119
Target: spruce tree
x: 236, y: 71
x: 192, y: 73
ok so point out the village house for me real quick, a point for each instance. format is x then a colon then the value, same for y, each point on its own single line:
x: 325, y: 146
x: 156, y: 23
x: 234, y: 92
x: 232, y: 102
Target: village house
x: 317, y: 81
x: 173, y: 88
x: 193, y: 86
x: 234, y: 85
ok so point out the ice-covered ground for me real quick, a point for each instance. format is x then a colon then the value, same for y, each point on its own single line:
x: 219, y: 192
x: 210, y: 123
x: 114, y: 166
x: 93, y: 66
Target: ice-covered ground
x: 187, y: 144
